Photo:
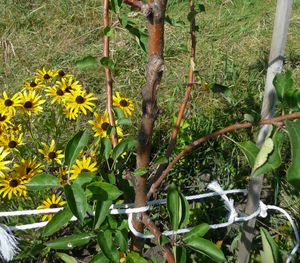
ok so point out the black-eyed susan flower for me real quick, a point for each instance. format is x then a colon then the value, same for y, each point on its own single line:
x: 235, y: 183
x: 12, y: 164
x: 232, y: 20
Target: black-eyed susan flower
x: 62, y: 174
x: 45, y: 75
x: 51, y: 154
x: 125, y: 104
x: 28, y: 168
x: 63, y: 74
x: 71, y: 114
x: 14, y: 128
x: 4, y: 119
x: 56, y: 93
x: 80, y: 101
x: 68, y: 85
x: 12, y: 185
x: 51, y: 202
x: 85, y: 165
x: 31, y: 102
x: 9, y: 104
x: 33, y: 85
x: 3, y: 163
x: 11, y: 141
x: 101, y: 124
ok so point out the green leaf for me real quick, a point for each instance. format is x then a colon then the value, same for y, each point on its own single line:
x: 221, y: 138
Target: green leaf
x: 74, y: 146
x: 206, y: 247
x: 274, y: 159
x: 250, y: 150
x: 115, y: 5
x: 185, y: 211
x: 76, y: 200
x: 86, y: 62
x: 42, y: 182
x: 180, y: 255
x: 140, y: 171
x: 101, y: 212
x: 293, y: 172
x: 161, y: 160
x: 84, y: 178
x: 174, y: 206
x: 106, y: 244
x: 100, y: 258
x: 107, y: 147
x: 122, y: 147
x: 225, y: 91
x: 197, y: 231
x: 124, y: 121
x: 104, y: 191
x: 263, y: 153
x: 121, y: 238
x: 69, y: 242
x: 134, y: 257
x: 58, y: 221
x: 66, y: 258
x: 108, y: 31
x: 271, y: 252
x: 107, y: 62
x: 283, y: 84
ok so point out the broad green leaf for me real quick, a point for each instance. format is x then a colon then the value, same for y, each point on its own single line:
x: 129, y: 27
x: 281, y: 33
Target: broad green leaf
x: 84, y: 178
x: 263, y: 153
x: 121, y: 238
x: 225, y: 91
x: 293, y: 172
x: 101, y: 212
x: 283, y: 84
x: 134, y: 257
x: 66, y: 258
x: 115, y: 5
x: 274, y: 159
x: 180, y: 255
x: 107, y: 147
x: 106, y: 244
x: 100, y: 258
x: 58, y: 221
x: 108, y: 31
x: 122, y: 147
x: 76, y: 200
x: 42, y: 182
x: 140, y: 171
x: 161, y: 160
x: 86, y: 62
x: 107, y: 62
x: 69, y: 242
x: 185, y: 208
x: 206, y: 247
x: 271, y: 252
x: 124, y: 121
x: 197, y: 231
x: 174, y: 206
x: 74, y: 146
x: 104, y: 191
x: 250, y: 150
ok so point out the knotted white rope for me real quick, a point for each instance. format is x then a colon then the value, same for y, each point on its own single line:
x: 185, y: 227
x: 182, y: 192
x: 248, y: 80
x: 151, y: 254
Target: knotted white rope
x: 8, y: 243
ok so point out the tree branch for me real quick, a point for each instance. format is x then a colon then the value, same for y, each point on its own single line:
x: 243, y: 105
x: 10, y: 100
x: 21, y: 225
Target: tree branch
x: 145, y: 8
x: 108, y: 76
x: 168, y: 254
x: 205, y: 138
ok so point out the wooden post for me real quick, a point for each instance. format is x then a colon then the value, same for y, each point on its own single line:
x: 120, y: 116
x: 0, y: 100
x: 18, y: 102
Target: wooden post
x: 281, y: 24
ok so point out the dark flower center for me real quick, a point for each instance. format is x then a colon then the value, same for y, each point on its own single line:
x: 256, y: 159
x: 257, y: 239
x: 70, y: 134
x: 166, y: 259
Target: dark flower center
x: 12, y: 144
x: 33, y: 84
x: 8, y: 102
x: 28, y: 170
x: 61, y: 73
x: 52, y: 155
x: 64, y: 177
x: 68, y: 89
x: 14, y: 183
x: 124, y: 103
x: 84, y: 170
x: 59, y: 92
x: 28, y: 105
x: 80, y: 99
x: 2, y: 117
x: 47, y: 76
x: 53, y: 206
x: 104, y: 126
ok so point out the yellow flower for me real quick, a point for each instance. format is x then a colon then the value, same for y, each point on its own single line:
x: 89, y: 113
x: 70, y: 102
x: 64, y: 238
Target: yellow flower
x: 63, y: 74
x: 83, y: 166
x: 51, y: 202
x: 14, y: 128
x: 79, y: 101
x: 101, y: 124
x: 31, y: 102
x: 45, y: 75
x: 56, y: 93
x: 50, y: 153
x: 8, y: 104
x: 12, y: 185
x: 71, y: 114
x: 4, y: 119
x: 68, y: 85
x: 62, y: 174
x: 33, y: 85
x: 3, y: 167
x: 11, y: 141
x: 28, y: 168
x: 125, y: 104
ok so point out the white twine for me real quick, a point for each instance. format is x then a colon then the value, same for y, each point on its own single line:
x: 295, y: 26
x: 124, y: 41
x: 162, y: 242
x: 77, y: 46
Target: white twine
x: 8, y: 243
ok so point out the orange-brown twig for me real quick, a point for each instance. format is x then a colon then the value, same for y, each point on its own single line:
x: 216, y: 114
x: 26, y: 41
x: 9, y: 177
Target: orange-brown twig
x: 134, y: 3
x: 168, y: 254
x: 189, y: 86
x: 108, y: 76
x: 205, y: 138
